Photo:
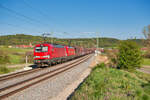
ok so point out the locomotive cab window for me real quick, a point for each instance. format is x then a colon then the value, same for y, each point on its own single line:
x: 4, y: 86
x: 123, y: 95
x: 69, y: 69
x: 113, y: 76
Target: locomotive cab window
x: 41, y: 49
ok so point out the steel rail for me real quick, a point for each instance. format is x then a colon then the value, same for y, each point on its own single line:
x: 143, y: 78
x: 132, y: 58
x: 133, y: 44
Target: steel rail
x: 13, y: 75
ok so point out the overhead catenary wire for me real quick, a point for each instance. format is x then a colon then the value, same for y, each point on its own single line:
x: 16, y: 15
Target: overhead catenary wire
x: 35, y: 9
x: 20, y: 18
x: 20, y: 26
x: 26, y: 19
x: 22, y: 15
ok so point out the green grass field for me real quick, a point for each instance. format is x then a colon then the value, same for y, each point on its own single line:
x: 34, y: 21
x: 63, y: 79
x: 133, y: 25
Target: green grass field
x: 113, y: 84
x: 16, y: 55
x: 146, y: 61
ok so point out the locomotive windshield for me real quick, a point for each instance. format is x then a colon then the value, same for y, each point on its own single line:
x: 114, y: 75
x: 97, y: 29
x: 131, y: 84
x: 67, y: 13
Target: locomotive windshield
x: 41, y: 49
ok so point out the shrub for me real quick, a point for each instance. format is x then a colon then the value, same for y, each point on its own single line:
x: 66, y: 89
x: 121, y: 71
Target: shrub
x: 129, y: 56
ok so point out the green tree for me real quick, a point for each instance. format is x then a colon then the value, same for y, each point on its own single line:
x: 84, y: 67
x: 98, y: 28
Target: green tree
x: 129, y: 56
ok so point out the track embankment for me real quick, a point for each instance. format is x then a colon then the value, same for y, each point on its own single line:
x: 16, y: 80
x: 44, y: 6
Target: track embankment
x: 70, y: 89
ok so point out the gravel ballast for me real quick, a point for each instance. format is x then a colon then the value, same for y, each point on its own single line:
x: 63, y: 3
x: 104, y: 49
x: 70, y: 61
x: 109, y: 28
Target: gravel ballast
x: 54, y: 87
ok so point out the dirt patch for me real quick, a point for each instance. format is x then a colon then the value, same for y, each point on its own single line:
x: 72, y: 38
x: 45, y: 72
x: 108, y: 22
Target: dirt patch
x: 99, y: 59
x: 146, y: 66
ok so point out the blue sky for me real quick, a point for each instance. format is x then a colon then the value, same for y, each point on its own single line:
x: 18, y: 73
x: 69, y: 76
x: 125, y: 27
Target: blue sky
x: 120, y: 19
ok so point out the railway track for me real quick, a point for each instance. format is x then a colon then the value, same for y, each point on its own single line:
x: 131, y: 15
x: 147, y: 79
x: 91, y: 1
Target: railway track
x: 21, y: 73
x: 15, y: 88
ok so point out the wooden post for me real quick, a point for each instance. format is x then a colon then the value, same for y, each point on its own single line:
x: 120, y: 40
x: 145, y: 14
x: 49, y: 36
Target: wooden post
x: 26, y: 61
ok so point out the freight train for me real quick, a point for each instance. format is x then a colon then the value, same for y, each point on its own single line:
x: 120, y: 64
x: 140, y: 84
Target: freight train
x: 47, y: 54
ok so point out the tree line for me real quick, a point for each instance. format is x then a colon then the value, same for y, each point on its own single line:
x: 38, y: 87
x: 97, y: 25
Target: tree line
x: 22, y: 39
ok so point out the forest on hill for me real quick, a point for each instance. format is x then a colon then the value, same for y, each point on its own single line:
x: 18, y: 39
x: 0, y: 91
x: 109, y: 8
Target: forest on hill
x: 22, y: 39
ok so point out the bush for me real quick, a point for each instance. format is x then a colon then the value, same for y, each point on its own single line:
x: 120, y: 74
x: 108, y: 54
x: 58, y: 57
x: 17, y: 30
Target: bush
x: 129, y: 56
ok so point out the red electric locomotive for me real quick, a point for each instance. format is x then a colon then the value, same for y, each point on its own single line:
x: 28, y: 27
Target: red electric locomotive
x: 47, y: 54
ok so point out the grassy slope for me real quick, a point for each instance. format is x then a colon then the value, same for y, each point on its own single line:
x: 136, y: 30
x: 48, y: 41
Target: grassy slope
x: 112, y: 84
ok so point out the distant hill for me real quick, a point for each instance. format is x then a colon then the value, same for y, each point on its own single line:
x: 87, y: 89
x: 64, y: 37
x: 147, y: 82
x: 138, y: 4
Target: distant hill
x: 20, y: 39
x: 138, y: 41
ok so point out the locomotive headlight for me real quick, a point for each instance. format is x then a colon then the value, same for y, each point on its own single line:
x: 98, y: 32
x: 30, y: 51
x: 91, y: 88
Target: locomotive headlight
x: 36, y: 56
x: 48, y: 56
